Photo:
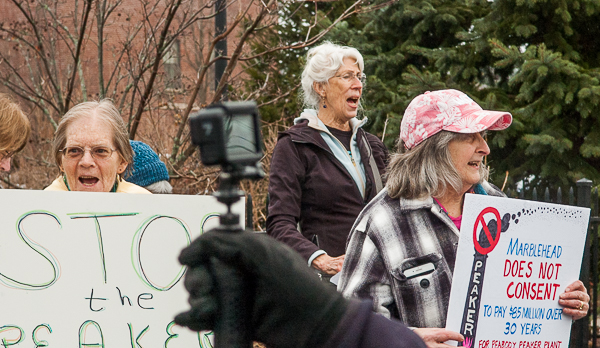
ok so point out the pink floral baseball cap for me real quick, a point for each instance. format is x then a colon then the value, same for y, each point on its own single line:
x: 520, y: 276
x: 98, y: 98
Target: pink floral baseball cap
x: 449, y: 110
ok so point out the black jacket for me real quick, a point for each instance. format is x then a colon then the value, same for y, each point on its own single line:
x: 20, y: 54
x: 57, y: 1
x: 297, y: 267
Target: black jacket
x: 309, y: 186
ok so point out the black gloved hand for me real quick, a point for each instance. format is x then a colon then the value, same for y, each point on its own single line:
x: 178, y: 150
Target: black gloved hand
x: 290, y: 306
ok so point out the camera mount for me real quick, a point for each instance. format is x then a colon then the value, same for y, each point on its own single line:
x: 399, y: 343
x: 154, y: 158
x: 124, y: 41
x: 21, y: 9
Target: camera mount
x: 229, y: 193
x: 228, y: 134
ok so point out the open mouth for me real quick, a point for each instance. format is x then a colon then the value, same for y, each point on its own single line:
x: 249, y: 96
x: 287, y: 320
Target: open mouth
x: 474, y: 164
x: 88, y: 180
x: 353, y: 101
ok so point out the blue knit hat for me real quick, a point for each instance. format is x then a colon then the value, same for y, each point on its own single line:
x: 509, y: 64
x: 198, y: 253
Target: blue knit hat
x: 147, y: 168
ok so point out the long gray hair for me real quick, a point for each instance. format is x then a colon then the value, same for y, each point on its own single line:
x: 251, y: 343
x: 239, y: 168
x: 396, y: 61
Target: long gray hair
x: 427, y: 169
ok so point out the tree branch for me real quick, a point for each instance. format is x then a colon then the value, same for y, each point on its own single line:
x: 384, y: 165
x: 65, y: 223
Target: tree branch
x: 86, y: 13
x: 39, y: 49
x: 159, y: 52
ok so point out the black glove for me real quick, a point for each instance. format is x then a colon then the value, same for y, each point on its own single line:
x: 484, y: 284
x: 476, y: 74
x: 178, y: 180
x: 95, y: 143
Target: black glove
x: 290, y: 306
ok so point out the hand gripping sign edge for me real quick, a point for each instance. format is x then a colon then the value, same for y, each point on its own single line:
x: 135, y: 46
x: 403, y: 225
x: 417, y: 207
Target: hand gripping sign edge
x: 493, y: 241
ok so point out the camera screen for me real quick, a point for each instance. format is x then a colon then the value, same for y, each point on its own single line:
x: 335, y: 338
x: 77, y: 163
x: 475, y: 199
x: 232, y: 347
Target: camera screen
x: 240, y: 142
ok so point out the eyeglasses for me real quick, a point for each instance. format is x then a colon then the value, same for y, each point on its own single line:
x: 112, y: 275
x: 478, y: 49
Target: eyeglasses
x: 6, y: 154
x: 98, y: 152
x: 349, y: 77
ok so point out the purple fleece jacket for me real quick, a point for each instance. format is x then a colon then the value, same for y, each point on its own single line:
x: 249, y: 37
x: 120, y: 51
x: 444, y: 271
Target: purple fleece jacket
x: 361, y: 328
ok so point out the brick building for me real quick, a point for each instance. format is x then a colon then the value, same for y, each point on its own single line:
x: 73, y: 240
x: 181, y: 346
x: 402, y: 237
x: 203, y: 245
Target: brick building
x: 118, y: 59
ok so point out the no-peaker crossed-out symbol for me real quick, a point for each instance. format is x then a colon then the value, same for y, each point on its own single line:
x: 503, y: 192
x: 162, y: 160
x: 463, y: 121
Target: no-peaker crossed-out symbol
x: 492, y: 240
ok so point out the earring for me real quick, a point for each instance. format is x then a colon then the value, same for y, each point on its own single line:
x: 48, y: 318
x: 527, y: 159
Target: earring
x: 324, y: 106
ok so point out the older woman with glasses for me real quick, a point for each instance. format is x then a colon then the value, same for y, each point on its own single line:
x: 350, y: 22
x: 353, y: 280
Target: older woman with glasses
x: 91, y: 148
x: 325, y: 168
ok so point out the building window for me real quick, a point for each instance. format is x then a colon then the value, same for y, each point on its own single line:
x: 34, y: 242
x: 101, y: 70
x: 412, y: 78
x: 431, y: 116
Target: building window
x: 172, y: 61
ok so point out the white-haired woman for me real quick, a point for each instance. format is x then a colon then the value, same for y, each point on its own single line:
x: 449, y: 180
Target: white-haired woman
x: 325, y: 168
x: 416, y: 218
x: 91, y: 149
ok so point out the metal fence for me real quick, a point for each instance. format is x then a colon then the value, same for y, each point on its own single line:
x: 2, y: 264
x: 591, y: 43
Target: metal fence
x: 584, y: 331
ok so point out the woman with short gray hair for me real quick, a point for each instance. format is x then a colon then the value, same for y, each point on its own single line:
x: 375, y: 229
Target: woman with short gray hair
x: 414, y: 223
x: 323, y: 63
x: 325, y: 168
x: 91, y: 148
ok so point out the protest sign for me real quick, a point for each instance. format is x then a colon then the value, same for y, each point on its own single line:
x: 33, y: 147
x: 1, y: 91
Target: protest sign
x: 97, y: 269
x: 514, y: 259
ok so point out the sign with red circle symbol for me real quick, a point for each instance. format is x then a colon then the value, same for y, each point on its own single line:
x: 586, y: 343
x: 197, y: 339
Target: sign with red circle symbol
x: 481, y: 221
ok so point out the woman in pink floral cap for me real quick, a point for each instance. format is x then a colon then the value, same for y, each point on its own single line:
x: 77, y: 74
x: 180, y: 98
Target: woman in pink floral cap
x: 415, y: 221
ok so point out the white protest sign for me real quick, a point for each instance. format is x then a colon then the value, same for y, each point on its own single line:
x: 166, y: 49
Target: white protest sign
x: 98, y: 269
x: 508, y: 276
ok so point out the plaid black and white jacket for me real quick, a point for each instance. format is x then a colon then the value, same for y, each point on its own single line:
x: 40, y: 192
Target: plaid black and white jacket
x: 389, y: 254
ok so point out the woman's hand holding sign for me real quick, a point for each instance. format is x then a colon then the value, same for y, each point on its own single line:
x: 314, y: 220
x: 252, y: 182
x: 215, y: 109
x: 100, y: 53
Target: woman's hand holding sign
x: 575, y: 300
x: 435, y: 337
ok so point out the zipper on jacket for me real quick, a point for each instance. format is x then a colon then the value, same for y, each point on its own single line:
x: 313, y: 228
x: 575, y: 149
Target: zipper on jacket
x: 364, y: 188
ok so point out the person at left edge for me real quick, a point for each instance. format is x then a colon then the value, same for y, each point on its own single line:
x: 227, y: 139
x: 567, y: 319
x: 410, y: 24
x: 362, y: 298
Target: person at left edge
x: 325, y: 168
x: 14, y: 130
x: 91, y: 148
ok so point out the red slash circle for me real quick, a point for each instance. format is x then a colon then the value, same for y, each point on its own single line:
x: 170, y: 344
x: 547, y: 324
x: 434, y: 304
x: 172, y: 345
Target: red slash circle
x: 493, y: 241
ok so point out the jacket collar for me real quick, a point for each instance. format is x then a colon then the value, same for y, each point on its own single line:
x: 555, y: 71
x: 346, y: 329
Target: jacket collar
x: 428, y: 203
x: 316, y: 123
x: 416, y: 203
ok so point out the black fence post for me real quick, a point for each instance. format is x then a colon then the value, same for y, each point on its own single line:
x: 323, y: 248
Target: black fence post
x: 559, y: 195
x: 580, y: 331
x: 594, y: 289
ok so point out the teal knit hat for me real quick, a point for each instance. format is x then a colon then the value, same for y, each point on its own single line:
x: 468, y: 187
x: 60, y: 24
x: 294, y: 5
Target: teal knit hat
x: 147, y: 168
